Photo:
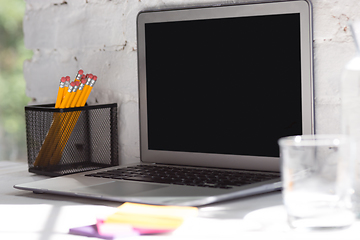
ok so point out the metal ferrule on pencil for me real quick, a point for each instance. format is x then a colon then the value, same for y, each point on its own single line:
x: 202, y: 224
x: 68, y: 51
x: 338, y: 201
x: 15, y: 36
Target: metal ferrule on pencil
x: 75, y: 88
x: 67, y: 84
x: 92, y: 83
x: 78, y: 76
x: 70, y: 89
x: 81, y: 86
x: 88, y: 81
x: 62, y: 84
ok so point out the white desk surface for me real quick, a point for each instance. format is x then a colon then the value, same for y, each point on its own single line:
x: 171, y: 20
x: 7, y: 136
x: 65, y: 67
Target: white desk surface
x: 25, y: 215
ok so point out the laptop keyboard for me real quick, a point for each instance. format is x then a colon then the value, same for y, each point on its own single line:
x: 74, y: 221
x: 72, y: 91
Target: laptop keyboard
x: 186, y: 176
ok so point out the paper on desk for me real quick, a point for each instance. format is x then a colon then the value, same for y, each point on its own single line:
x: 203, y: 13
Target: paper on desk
x: 131, y: 219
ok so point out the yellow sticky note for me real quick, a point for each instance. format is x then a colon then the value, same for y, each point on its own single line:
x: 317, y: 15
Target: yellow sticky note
x: 177, y: 211
x: 151, y: 216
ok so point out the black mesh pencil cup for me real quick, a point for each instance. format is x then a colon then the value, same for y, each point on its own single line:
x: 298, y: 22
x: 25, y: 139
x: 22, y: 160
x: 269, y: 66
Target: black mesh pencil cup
x: 71, y: 140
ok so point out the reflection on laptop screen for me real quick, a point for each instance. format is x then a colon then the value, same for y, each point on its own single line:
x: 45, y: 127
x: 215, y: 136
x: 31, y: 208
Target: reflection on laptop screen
x: 226, y: 86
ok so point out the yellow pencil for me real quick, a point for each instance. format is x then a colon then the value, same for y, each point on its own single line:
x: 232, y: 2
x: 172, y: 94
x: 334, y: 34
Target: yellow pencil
x: 70, y: 95
x: 60, y: 92
x: 67, y: 95
x: 64, y: 135
x: 70, y: 124
x: 79, y: 75
x: 88, y: 90
x: 66, y: 119
x: 84, y: 91
x: 78, y: 93
x: 56, y: 128
x: 83, y: 77
x: 67, y: 84
x: 73, y: 93
x: 42, y: 157
x: 64, y: 99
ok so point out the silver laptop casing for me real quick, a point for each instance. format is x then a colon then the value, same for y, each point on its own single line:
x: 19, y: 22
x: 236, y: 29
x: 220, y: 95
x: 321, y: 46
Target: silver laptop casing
x: 78, y: 185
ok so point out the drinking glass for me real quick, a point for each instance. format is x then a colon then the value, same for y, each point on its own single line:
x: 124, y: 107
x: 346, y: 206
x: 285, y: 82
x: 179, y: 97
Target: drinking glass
x: 317, y: 180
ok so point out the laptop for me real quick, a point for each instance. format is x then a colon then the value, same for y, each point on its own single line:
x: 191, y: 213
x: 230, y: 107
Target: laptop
x: 218, y: 86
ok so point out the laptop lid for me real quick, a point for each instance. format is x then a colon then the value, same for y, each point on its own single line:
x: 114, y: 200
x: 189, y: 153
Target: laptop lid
x: 219, y: 85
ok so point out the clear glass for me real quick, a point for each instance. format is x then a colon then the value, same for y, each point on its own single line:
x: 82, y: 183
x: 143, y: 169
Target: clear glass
x: 317, y: 180
x: 350, y: 106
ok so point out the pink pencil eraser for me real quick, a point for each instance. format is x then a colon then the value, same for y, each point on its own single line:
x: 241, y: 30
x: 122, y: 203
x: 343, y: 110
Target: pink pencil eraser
x: 90, y: 75
x: 72, y: 84
x: 77, y: 83
x: 95, y: 77
x: 83, y: 81
x: 67, y: 78
x: 63, y: 79
x: 81, y: 72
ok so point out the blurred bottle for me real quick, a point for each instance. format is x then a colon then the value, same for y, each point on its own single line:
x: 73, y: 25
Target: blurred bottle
x: 350, y: 108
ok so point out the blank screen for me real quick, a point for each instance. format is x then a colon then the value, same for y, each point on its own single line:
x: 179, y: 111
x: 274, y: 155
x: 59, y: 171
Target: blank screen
x: 226, y: 86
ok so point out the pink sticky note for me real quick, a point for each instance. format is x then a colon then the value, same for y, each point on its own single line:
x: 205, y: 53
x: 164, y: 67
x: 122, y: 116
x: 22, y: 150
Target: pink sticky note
x: 88, y: 231
x: 143, y: 231
x: 111, y: 229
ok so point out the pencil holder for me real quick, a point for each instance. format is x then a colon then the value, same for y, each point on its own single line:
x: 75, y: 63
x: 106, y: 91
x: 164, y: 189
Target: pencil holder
x: 71, y: 140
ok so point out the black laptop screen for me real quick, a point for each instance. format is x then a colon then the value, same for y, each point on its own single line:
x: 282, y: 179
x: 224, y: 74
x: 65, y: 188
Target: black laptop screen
x: 227, y: 86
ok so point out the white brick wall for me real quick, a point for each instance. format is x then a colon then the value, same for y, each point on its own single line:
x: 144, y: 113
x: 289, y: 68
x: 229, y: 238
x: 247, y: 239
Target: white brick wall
x: 99, y: 36
x: 333, y: 48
